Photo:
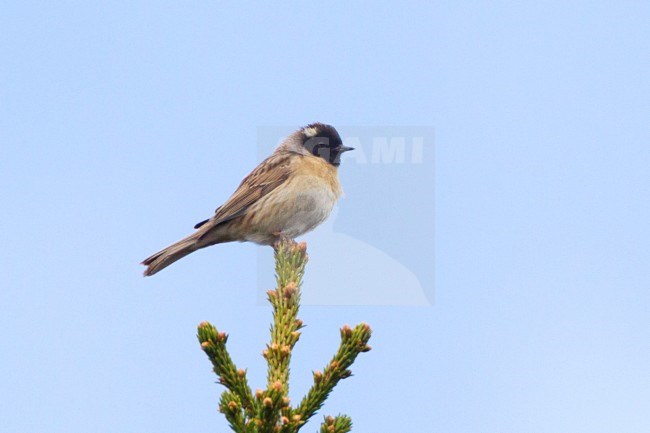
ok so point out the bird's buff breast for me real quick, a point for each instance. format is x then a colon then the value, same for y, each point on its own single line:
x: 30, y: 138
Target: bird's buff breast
x: 297, y: 207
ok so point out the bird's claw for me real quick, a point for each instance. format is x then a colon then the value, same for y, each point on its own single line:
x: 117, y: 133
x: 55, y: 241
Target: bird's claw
x: 280, y: 239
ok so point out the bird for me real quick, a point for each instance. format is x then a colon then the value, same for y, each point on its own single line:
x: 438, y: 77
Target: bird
x: 286, y: 195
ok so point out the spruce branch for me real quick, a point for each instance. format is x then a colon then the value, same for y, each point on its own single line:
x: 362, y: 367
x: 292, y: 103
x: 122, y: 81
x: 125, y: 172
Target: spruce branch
x: 290, y: 261
x: 269, y: 410
x: 213, y: 344
x: 230, y: 405
x: 353, y: 342
x: 338, y: 424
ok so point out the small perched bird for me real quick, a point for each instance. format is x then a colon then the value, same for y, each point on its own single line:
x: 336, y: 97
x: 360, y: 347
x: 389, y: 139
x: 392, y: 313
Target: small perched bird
x: 288, y: 194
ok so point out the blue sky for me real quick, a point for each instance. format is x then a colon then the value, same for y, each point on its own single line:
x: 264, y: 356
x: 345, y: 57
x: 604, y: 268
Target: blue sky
x: 521, y: 236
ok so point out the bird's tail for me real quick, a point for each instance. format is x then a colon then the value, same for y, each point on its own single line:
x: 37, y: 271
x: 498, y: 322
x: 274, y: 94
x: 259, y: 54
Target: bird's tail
x: 169, y: 255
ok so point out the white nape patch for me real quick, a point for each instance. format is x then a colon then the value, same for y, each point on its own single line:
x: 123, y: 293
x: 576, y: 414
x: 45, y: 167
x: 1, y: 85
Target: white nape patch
x: 310, y: 131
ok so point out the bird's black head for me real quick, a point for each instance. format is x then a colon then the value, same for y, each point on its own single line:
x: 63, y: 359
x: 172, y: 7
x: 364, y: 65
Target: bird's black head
x: 324, y: 141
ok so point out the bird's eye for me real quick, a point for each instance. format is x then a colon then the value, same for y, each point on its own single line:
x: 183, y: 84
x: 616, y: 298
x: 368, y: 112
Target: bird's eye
x: 315, y: 145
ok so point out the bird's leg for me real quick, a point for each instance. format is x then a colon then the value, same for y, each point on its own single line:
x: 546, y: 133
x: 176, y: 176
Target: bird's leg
x: 281, y: 238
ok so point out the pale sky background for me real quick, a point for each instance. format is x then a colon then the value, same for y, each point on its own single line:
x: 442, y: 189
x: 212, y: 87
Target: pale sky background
x: 122, y: 124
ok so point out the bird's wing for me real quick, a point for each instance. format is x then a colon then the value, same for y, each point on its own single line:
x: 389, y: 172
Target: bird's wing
x: 267, y: 176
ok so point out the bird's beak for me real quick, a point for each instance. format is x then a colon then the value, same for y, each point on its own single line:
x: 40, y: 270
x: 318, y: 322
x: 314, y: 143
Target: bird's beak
x: 345, y: 148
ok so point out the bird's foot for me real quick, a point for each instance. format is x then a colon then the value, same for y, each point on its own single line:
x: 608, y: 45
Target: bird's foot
x: 280, y: 239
